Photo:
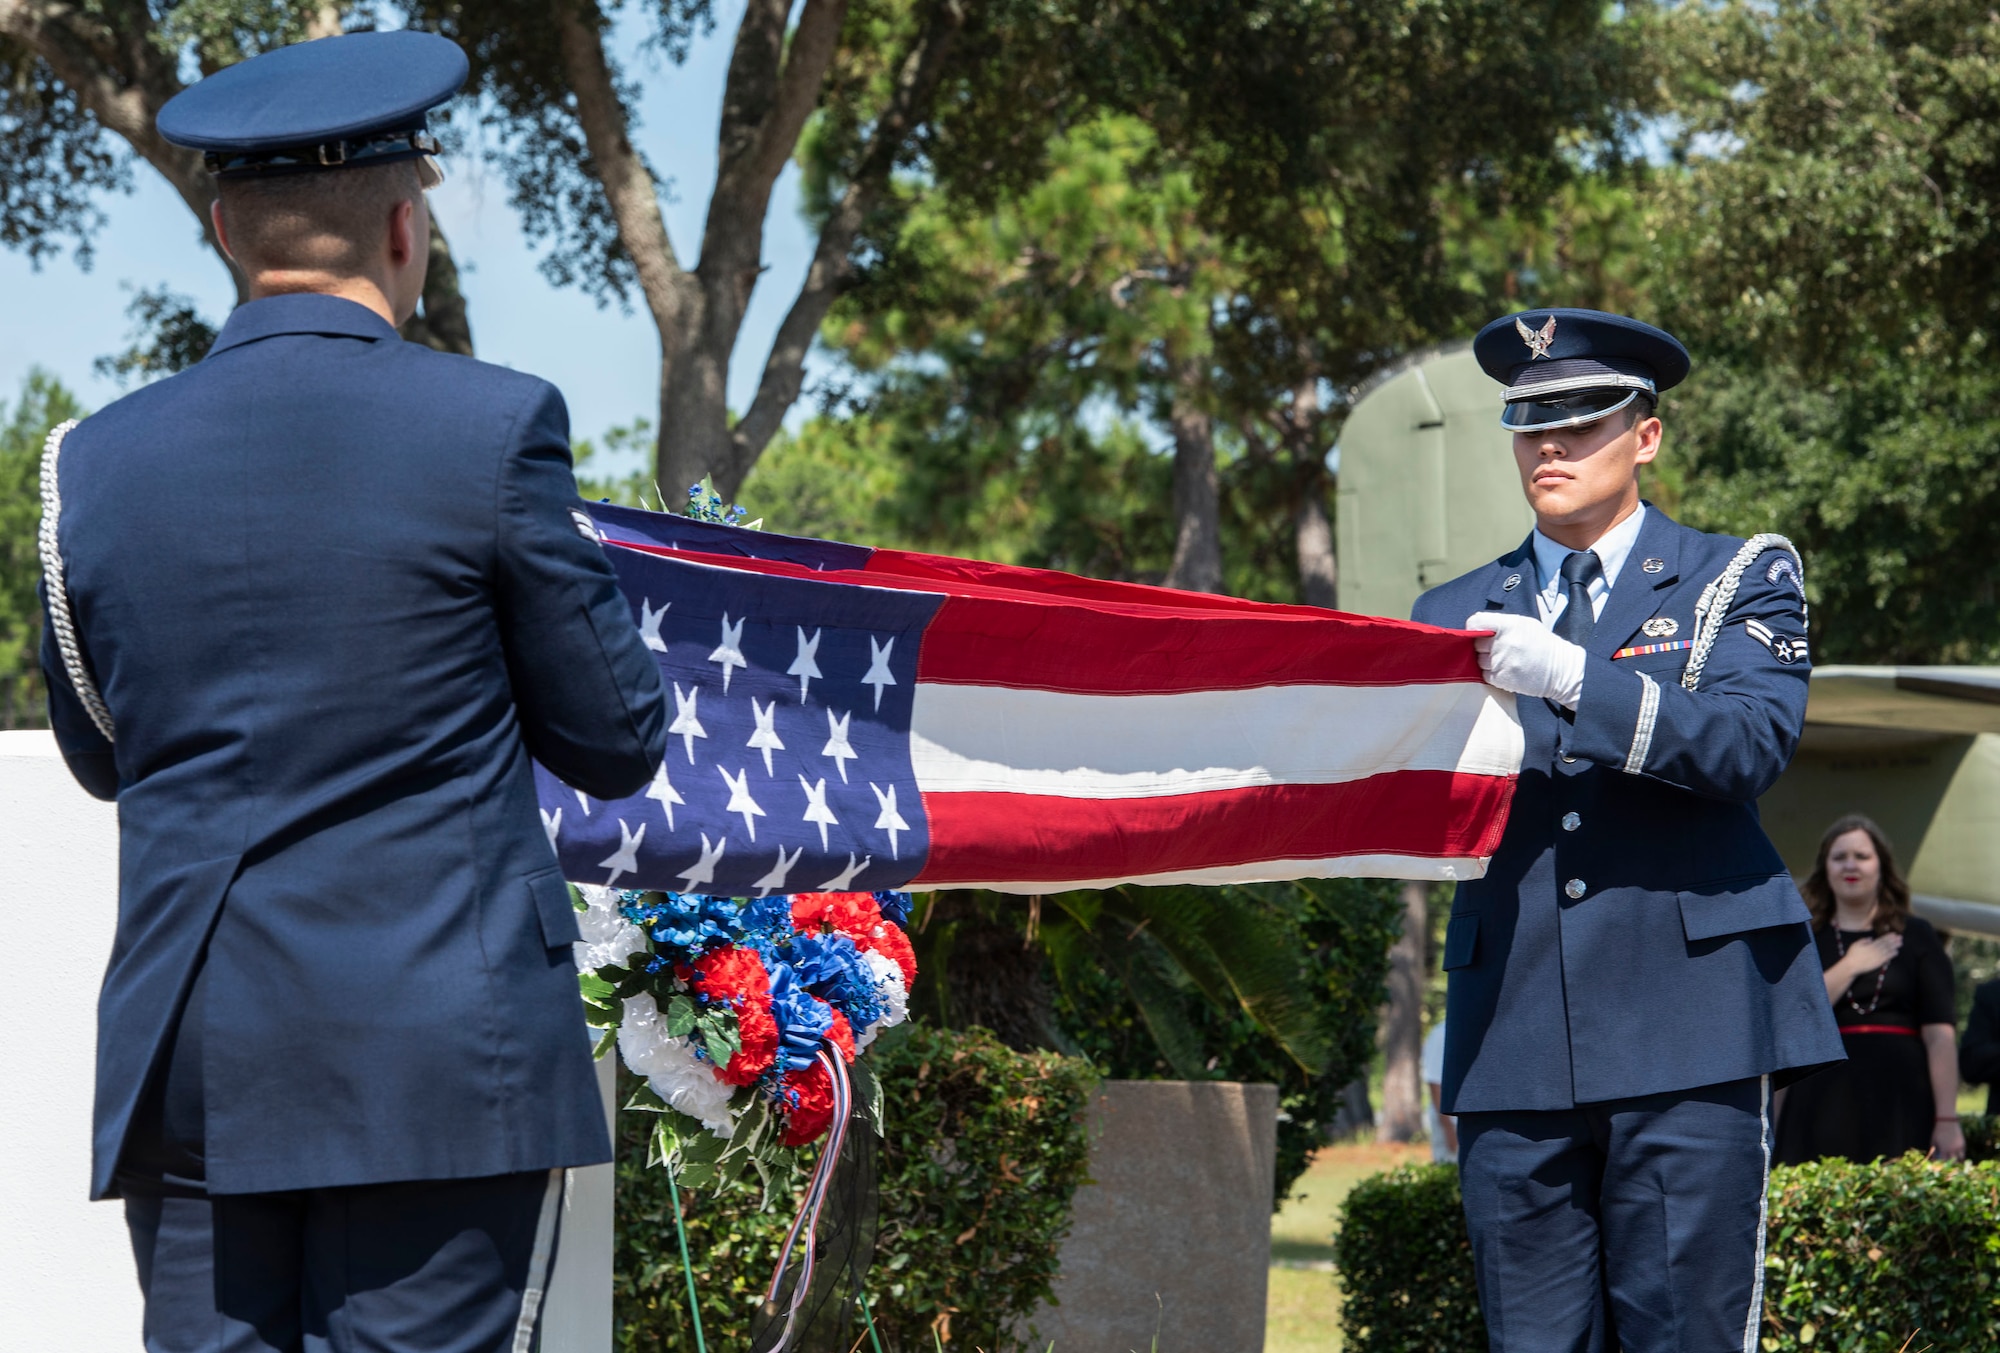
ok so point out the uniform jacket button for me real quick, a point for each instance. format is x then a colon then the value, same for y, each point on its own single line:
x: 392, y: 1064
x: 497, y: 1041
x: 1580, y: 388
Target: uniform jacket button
x: 1574, y: 887
x: 1571, y: 822
x: 1568, y: 759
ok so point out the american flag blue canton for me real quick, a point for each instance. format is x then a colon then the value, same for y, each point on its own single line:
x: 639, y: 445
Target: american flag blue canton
x: 788, y: 761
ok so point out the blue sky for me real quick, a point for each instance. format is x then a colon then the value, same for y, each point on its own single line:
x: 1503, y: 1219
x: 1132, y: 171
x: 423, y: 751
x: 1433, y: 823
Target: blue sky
x: 605, y: 361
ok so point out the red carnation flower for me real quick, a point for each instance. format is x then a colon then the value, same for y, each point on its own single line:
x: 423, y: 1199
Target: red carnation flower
x: 854, y: 915
x: 736, y: 978
x: 809, y: 1102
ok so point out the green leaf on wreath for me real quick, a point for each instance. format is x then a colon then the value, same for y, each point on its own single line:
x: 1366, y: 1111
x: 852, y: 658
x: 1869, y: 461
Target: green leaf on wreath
x: 868, y: 1093
x: 680, y: 1017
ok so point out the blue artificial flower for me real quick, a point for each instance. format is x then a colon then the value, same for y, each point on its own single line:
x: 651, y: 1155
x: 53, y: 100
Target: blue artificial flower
x: 765, y: 923
x: 895, y: 907
x: 832, y: 968
x: 803, y: 1019
x: 682, y: 927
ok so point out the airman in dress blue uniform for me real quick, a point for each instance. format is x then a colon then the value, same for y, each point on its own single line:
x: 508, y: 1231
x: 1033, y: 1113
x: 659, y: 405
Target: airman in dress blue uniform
x: 1635, y: 973
x: 313, y: 604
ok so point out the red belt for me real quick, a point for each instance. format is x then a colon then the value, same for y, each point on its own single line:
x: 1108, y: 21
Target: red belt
x: 1877, y: 1029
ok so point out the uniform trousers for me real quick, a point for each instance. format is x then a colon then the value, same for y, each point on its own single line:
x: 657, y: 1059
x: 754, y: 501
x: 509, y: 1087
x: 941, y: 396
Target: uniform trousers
x: 423, y: 1266
x: 1634, y: 1223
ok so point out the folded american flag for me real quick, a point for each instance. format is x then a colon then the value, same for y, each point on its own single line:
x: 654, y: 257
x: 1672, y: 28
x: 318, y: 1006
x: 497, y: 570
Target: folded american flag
x: 857, y: 719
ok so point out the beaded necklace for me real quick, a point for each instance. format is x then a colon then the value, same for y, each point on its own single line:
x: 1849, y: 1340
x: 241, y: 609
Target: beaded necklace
x: 1881, y: 974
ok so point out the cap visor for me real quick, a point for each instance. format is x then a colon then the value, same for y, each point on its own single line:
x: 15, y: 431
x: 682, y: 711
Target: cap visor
x: 1570, y: 411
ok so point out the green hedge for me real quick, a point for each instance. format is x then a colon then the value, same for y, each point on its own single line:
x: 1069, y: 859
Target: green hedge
x: 985, y: 1150
x: 1859, y: 1258
x: 1406, y: 1265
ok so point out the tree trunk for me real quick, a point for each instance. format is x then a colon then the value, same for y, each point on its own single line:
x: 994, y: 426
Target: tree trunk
x: 1355, y: 1113
x: 442, y: 322
x: 1197, y: 562
x: 983, y: 972
x: 1319, y: 574
x: 1402, y: 1118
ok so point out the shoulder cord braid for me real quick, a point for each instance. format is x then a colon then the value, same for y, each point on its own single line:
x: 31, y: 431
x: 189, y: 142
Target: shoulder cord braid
x: 58, y: 588
x: 1720, y: 595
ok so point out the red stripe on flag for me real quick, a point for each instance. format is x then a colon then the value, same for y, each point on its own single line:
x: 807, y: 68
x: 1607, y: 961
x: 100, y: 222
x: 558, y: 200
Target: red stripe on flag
x: 998, y: 838
x: 1103, y: 639
x: 1089, y: 650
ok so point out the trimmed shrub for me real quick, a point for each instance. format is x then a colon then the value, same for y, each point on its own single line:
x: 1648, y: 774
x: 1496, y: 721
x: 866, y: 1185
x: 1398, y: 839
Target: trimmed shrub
x: 1406, y: 1265
x: 1858, y: 1259
x: 985, y: 1149
x: 1861, y: 1257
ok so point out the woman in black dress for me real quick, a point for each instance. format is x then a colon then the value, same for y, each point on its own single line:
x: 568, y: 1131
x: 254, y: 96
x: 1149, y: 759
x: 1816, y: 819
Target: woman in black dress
x: 1890, y: 982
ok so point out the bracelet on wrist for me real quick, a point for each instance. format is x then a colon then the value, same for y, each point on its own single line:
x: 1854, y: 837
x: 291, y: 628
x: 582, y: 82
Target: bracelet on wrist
x: 1946, y: 1118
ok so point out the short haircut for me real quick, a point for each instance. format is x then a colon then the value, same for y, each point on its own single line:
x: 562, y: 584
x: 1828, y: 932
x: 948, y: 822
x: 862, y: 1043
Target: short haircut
x: 1640, y: 409
x: 323, y: 221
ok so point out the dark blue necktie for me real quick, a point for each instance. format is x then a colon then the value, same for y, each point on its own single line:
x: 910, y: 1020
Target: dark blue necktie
x: 1578, y: 620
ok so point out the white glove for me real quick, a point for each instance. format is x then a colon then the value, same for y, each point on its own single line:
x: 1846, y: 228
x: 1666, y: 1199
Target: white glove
x: 1522, y: 655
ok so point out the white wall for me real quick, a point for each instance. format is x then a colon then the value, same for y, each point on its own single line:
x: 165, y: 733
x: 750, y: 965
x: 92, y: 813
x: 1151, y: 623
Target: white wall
x: 66, y: 1277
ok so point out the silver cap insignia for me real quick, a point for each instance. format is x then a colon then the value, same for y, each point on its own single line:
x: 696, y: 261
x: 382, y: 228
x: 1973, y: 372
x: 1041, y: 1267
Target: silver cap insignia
x: 1538, y: 343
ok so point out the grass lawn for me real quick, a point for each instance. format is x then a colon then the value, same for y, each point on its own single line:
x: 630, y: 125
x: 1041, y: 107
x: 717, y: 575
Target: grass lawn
x: 1303, y: 1314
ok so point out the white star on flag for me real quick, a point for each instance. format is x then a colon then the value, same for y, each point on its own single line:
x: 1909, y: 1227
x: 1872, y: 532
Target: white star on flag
x: 624, y: 860
x: 552, y: 824
x: 583, y: 799
x: 685, y: 723
x: 740, y: 800
x: 816, y: 809
x: 663, y: 789
x: 776, y: 878
x: 878, y: 667
x: 649, y: 624
x: 703, y: 870
x: 890, y: 819
x: 844, y: 880
x: 765, y: 738
x: 730, y: 651
x: 804, y: 666
x: 837, y: 745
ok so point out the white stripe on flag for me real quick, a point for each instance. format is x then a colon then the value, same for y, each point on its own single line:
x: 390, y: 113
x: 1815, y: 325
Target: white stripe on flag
x: 997, y: 740
x: 1273, y: 871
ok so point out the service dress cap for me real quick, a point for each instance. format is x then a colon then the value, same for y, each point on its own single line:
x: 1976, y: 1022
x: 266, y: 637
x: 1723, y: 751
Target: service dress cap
x: 355, y: 99
x: 1564, y: 368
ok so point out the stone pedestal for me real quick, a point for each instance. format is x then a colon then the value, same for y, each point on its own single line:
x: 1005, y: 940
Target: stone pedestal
x: 1174, y: 1233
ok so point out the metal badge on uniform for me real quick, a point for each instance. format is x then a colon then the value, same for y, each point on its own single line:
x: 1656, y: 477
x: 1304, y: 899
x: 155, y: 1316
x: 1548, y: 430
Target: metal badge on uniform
x: 1660, y: 627
x: 1654, y: 565
x: 1513, y: 581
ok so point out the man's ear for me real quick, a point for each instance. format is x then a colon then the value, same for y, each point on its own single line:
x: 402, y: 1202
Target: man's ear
x: 403, y: 243
x: 1649, y: 432
x: 221, y: 229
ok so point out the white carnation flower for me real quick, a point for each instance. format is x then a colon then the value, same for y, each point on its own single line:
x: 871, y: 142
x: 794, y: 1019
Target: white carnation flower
x: 671, y: 1068
x: 608, y: 938
x: 889, y: 987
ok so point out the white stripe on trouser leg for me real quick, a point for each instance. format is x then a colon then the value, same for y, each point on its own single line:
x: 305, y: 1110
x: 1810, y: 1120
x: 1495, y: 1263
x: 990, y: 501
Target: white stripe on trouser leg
x: 1763, y: 1216
x: 538, y: 1262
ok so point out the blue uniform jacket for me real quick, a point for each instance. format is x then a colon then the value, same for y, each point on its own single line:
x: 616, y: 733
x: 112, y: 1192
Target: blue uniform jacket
x: 331, y: 588
x: 1686, y: 959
